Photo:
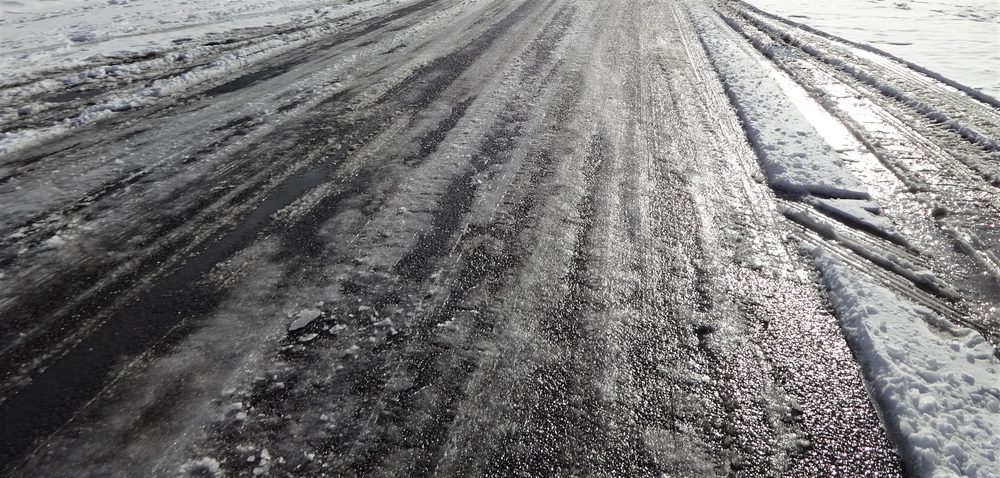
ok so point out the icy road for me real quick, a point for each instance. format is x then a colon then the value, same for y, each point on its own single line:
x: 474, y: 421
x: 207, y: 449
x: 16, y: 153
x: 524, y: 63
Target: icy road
x: 489, y: 238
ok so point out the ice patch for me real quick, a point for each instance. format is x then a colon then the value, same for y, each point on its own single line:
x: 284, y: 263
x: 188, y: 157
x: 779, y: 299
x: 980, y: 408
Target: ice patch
x: 940, y: 391
x: 304, y: 318
x: 203, y: 467
x: 55, y: 241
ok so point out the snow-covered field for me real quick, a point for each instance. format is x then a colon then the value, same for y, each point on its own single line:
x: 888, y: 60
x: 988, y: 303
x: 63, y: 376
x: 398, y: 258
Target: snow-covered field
x: 49, y: 34
x: 94, y: 58
x: 957, y: 38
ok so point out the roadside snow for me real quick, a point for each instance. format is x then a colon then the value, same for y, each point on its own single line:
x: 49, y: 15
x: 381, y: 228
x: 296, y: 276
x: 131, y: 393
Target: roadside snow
x: 141, y: 52
x: 939, y: 389
x: 57, y: 34
x: 795, y: 155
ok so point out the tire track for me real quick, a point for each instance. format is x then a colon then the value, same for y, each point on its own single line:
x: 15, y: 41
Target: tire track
x: 380, y: 414
x: 971, y: 120
x: 53, y: 393
x: 226, y: 190
x: 949, y: 183
x: 532, y: 255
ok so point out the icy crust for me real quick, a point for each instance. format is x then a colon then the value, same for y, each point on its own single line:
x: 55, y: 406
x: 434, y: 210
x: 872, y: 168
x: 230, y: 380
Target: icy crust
x: 862, y: 213
x: 860, y: 210
x: 939, y: 390
x: 890, y: 262
x: 794, y: 155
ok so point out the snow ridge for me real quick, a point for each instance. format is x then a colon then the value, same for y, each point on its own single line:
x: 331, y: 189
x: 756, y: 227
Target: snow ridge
x: 138, y: 75
x: 794, y: 155
x: 939, y: 385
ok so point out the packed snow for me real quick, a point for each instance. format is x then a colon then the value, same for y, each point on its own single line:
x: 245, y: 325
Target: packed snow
x: 960, y: 40
x: 938, y: 384
x: 795, y: 155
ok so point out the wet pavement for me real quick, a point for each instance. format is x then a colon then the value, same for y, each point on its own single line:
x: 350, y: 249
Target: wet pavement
x: 519, y: 238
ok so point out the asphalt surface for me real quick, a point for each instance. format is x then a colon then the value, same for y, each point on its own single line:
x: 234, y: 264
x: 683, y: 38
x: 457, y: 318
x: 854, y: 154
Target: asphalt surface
x: 528, y: 236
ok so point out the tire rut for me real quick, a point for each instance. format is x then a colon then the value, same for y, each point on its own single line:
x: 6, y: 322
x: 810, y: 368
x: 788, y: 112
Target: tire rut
x: 66, y: 382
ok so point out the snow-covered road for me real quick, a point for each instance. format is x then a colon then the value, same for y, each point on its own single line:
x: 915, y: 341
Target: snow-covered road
x: 489, y: 237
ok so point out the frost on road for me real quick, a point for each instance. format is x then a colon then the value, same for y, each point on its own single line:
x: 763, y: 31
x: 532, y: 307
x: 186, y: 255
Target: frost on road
x: 488, y: 238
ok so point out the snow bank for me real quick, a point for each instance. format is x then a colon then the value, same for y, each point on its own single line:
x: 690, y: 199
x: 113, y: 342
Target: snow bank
x: 939, y: 387
x: 795, y: 156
